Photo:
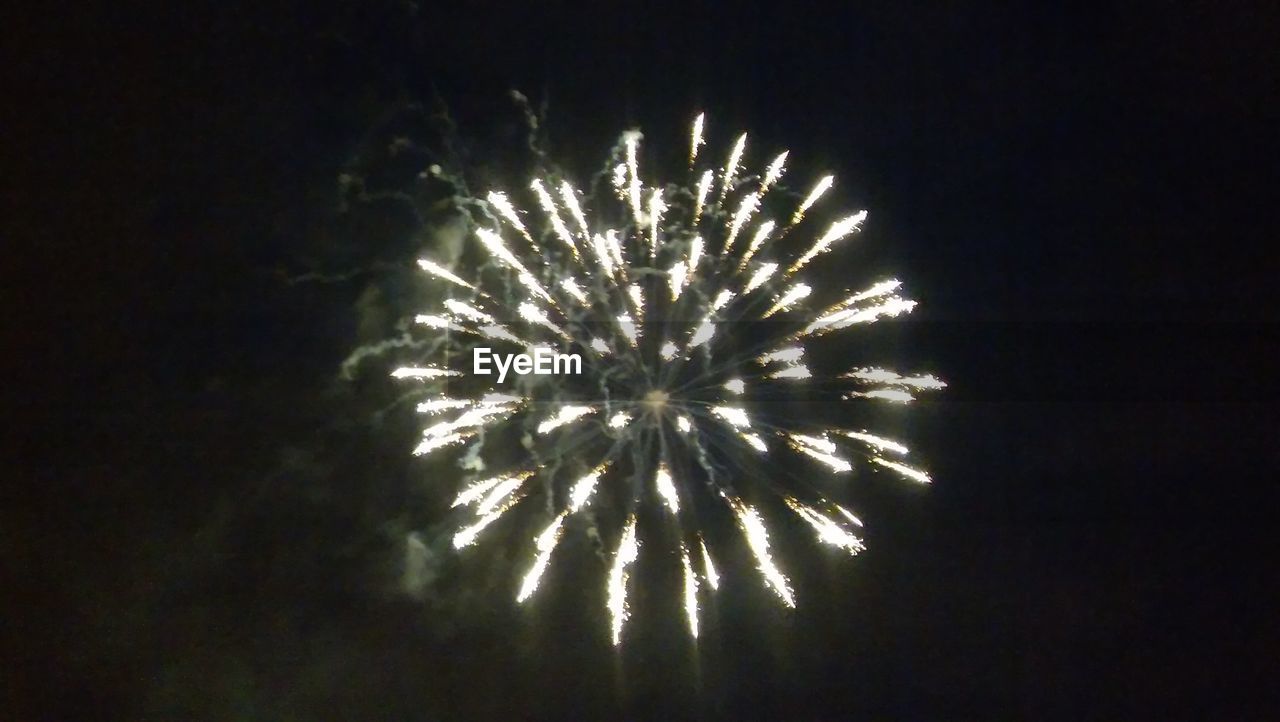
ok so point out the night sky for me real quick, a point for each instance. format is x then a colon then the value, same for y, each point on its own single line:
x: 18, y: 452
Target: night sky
x: 201, y: 519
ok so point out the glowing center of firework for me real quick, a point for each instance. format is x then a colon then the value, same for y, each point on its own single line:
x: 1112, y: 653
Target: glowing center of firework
x: 656, y: 400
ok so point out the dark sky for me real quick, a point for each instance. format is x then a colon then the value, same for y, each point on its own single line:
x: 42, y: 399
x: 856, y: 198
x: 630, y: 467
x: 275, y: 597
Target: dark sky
x: 199, y: 522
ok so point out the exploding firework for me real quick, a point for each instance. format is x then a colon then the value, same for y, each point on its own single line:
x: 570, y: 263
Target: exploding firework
x: 687, y: 310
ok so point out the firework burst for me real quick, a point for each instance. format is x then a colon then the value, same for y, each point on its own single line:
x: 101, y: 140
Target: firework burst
x: 688, y: 311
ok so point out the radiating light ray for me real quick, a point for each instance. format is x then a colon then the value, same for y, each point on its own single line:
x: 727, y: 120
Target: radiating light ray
x: 628, y: 551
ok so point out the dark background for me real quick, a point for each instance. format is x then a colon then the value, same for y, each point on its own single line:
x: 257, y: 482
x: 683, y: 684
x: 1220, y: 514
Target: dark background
x: 198, y: 522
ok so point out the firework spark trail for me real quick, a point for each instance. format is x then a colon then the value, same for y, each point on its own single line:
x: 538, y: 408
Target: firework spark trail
x: 682, y: 399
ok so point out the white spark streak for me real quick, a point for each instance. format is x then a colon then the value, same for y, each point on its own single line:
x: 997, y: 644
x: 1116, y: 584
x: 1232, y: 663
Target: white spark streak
x: 656, y: 208
x: 533, y: 314
x: 735, y: 386
x: 746, y: 208
x: 668, y: 351
x: 762, y: 233
x: 628, y: 551
x: 422, y: 372
x: 799, y: 371
x: 682, y: 423
x: 892, y: 378
x: 775, y: 171
x: 758, y: 539
x: 476, y: 490
x: 734, y: 417
x: 494, y: 244
x: 708, y: 569
x: 508, y: 212
x: 907, y: 471
x: 619, y: 420
x: 545, y: 543
x: 586, y: 486
x: 666, y: 488
x: 571, y: 287
x: 762, y: 274
x: 829, y: 532
x: 731, y: 166
x: 439, y: 271
x: 549, y: 206
x: 821, y: 187
x: 788, y: 355
x: 878, y: 442
x: 566, y: 414
x: 570, y: 198
x: 795, y: 293
x: 695, y: 140
x: 690, y: 592
x: 896, y: 395
x: 838, y: 231
x: 705, y: 331
x: 632, y: 140
x: 704, y: 187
